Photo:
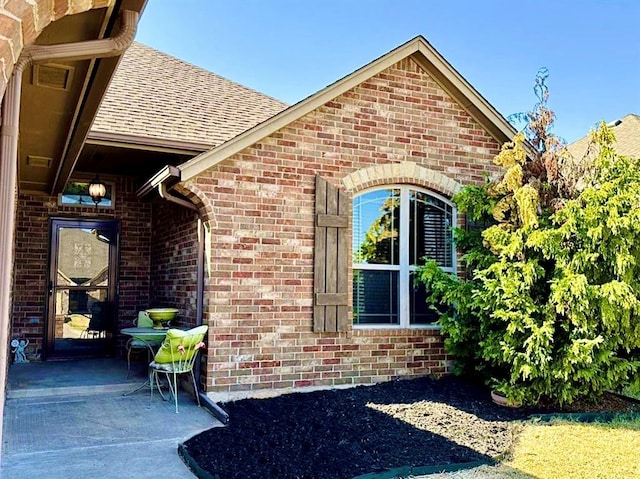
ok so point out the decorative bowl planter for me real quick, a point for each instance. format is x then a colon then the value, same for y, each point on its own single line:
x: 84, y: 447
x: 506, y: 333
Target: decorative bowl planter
x: 501, y: 400
x: 161, y: 315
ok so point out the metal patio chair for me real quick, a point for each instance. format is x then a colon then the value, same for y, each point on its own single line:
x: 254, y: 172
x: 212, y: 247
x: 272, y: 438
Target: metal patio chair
x: 177, y: 355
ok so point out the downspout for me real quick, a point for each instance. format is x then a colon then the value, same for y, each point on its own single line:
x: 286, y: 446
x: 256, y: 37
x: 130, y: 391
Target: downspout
x: 8, y: 206
x: 165, y: 195
x: 216, y: 410
x: 9, y: 133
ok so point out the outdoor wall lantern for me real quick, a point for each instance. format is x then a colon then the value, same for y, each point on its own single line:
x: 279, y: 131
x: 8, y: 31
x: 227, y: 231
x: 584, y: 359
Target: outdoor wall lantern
x: 97, y: 190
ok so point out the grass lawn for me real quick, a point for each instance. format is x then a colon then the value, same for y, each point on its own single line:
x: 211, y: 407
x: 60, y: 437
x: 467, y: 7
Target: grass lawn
x: 579, y: 451
x: 567, y: 450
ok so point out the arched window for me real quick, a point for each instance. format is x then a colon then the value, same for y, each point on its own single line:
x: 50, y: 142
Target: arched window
x: 394, y: 229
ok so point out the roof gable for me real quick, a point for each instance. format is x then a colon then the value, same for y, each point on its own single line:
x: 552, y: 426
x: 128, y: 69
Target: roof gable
x: 418, y: 49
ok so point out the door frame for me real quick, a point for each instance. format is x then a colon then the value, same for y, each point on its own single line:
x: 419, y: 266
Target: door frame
x: 49, y: 351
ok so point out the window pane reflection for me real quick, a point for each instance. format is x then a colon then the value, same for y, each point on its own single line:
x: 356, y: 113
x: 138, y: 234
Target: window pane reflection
x: 430, y: 222
x: 376, y: 227
x: 420, y: 310
x: 375, y: 297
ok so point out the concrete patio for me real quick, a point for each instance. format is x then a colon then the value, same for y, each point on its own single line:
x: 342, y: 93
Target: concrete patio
x: 70, y: 419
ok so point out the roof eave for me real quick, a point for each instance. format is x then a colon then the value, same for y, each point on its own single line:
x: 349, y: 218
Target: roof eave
x: 460, y: 89
x: 145, y: 143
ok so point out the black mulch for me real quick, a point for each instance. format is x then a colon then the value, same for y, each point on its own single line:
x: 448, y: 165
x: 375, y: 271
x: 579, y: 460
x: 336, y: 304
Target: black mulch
x: 349, y: 432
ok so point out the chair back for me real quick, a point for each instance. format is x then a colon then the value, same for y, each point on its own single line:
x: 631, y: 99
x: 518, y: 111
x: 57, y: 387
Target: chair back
x: 179, y: 348
x: 143, y: 320
x: 99, y: 320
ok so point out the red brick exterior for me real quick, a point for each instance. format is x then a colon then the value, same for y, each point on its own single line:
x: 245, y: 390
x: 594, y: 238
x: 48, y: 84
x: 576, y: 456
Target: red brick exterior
x: 260, y: 289
x: 259, y: 208
x: 32, y: 250
x: 174, y: 256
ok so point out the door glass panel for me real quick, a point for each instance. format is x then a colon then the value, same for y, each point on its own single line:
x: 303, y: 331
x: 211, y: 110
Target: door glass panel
x: 80, y: 314
x: 81, y: 289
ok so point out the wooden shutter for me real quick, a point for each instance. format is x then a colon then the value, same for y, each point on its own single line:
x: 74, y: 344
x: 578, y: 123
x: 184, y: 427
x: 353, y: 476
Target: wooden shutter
x: 331, y: 264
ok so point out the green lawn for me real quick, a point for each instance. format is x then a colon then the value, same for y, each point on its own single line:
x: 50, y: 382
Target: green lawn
x: 578, y: 451
x: 567, y: 450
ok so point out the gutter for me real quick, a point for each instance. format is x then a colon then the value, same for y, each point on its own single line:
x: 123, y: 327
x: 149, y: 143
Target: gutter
x: 168, y: 175
x: 11, y: 105
x: 171, y: 175
x: 103, y: 48
x: 145, y: 143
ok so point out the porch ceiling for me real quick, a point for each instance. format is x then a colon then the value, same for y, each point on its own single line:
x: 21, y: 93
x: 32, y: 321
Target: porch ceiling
x: 123, y: 160
x: 60, y: 99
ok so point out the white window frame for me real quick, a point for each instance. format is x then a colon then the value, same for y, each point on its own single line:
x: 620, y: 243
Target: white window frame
x: 404, y: 268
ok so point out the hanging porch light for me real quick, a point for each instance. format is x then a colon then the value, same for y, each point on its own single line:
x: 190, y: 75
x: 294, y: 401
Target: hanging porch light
x: 97, y: 190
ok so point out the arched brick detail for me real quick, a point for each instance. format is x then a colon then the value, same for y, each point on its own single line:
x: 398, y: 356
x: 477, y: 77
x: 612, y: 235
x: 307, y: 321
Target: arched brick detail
x: 404, y: 172
x: 199, y: 199
x: 22, y: 21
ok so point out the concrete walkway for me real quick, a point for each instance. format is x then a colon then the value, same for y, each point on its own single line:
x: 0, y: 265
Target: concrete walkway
x: 98, y: 433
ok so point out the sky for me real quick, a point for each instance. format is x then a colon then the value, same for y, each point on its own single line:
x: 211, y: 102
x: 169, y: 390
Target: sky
x: 290, y: 49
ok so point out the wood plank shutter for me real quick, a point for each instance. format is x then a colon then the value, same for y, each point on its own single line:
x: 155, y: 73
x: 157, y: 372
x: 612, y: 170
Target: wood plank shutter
x: 331, y: 262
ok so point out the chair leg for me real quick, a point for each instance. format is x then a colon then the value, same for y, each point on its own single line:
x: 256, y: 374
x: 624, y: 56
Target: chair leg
x: 128, y: 361
x: 151, y: 374
x: 195, y: 387
x: 175, y: 390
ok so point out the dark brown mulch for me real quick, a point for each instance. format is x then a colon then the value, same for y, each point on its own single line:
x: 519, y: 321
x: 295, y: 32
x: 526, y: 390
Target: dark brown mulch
x: 349, y: 432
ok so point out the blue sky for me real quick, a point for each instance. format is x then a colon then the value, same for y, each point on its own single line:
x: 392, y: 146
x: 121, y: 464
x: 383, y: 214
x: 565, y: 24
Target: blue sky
x: 289, y: 49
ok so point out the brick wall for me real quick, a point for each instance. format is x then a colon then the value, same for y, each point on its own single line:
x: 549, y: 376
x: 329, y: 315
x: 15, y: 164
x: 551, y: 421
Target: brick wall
x: 174, y: 253
x: 32, y: 249
x: 259, y: 292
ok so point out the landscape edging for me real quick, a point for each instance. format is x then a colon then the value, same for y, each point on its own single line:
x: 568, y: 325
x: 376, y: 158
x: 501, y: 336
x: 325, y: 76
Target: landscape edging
x: 193, y: 465
x: 405, y: 471
x: 388, y: 474
x: 585, y: 417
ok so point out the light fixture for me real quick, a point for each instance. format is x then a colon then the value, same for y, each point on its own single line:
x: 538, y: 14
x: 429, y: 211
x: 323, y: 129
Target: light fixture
x: 97, y: 190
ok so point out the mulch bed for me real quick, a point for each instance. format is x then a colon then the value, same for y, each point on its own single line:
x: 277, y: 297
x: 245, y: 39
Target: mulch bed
x: 350, y: 432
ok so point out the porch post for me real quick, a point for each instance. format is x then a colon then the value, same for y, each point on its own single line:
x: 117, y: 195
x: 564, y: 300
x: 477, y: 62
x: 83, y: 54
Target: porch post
x: 8, y: 205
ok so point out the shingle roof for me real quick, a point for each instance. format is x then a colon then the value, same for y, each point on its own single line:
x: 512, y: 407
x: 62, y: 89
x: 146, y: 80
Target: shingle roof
x: 154, y: 95
x: 627, y: 131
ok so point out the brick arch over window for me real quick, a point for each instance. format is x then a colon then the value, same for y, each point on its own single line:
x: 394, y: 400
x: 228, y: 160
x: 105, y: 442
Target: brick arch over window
x: 405, y: 172
x: 22, y: 21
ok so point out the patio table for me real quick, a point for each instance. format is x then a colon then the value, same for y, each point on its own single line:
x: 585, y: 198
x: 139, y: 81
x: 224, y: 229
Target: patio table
x: 146, y: 334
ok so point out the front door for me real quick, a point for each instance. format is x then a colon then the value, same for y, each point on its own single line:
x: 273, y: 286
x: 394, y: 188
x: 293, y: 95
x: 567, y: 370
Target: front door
x: 82, y: 279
